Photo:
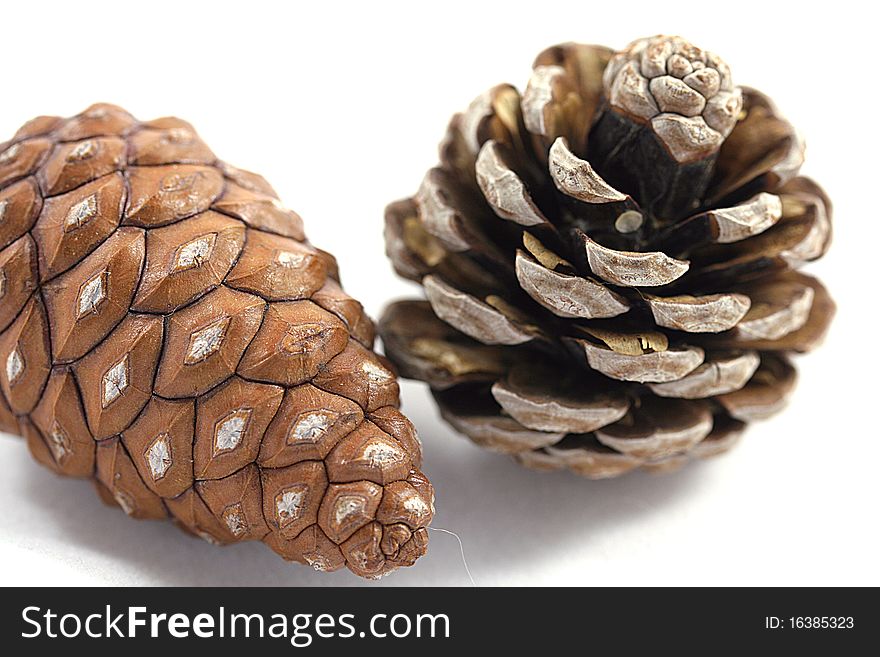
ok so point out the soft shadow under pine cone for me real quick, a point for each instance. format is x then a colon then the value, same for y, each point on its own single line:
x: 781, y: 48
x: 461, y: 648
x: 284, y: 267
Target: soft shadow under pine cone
x: 477, y: 506
x: 158, y: 553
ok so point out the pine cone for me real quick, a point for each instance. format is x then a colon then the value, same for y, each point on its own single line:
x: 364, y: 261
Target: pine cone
x: 168, y: 330
x: 610, y: 261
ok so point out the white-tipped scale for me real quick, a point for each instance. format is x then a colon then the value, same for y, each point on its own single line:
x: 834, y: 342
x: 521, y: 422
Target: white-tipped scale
x: 711, y: 313
x: 594, y: 462
x: 567, y: 295
x: 538, y: 99
x: 779, y: 309
x: 683, y: 425
x: 717, y: 377
x: 687, y: 138
x: 653, y: 367
x: 499, y: 433
x: 471, y: 316
x: 439, y: 217
x: 504, y: 189
x: 746, y: 219
x: 632, y: 268
x: 576, y: 178
x: 569, y: 414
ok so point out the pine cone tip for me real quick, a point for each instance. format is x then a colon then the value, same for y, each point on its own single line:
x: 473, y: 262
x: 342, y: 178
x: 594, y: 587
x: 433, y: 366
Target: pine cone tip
x: 685, y: 94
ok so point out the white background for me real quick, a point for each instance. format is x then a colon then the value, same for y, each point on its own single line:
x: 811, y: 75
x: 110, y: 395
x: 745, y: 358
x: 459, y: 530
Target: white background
x: 341, y: 107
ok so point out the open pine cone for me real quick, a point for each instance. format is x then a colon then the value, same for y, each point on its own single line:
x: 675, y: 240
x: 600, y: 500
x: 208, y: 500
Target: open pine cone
x: 166, y: 328
x: 610, y: 261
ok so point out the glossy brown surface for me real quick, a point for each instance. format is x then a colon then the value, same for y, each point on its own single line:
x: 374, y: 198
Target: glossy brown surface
x: 166, y: 329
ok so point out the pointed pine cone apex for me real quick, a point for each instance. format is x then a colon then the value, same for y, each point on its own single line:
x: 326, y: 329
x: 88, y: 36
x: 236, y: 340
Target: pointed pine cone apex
x: 167, y: 329
x: 610, y: 262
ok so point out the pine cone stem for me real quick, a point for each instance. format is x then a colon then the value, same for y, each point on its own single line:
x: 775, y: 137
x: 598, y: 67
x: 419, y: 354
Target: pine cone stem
x: 668, y: 108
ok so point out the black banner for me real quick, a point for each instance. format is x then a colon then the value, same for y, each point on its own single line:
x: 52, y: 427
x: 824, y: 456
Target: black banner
x: 276, y: 621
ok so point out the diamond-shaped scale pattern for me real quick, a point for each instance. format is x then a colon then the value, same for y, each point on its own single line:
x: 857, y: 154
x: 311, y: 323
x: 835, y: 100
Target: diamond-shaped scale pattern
x: 167, y: 329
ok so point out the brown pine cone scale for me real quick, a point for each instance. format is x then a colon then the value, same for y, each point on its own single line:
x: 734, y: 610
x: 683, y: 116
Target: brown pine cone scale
x: 167, y: 329
x: 610, y: 261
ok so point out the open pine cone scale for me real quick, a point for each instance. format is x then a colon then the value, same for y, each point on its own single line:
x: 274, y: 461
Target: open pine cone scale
x: 610, y: 261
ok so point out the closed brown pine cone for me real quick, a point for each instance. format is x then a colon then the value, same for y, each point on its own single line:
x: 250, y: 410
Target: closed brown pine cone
x: 167, y: 329
x: 610, y: 261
